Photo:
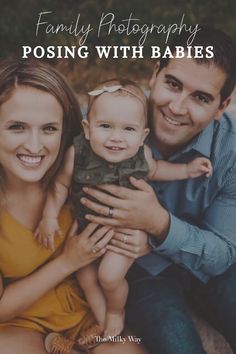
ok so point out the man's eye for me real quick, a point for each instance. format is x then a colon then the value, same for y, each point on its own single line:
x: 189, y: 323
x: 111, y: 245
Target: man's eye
x: 202, y: 98
x: 172, y: 84
x: 130, y: 129
x: 106, y: 126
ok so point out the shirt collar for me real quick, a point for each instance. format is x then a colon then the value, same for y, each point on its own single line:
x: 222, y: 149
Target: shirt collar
x: 201, y: 143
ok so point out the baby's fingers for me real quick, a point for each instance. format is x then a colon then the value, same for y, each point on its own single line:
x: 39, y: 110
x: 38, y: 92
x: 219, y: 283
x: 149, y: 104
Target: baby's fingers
x: 50, y: 242
x: 36, y: 234
x: 59, y: 231
x: 39, y: 238
x: 207, y: 170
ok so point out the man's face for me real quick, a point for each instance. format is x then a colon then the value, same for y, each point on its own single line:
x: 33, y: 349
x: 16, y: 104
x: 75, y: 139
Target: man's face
x: 185, y: 98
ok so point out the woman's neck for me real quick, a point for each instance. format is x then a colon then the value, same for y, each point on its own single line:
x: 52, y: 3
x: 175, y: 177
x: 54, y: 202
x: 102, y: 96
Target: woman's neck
x: 25, y: 202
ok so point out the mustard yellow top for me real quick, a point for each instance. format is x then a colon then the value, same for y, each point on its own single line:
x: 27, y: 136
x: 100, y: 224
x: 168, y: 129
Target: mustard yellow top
x: 60, y: 309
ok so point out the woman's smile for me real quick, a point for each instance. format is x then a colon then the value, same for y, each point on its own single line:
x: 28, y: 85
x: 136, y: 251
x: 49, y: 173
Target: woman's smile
x: 30, y: 134
x: 30, y: 160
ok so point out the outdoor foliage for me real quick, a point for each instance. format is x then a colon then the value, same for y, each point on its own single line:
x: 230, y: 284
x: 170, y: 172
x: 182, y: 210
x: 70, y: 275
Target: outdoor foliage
x: 18, y: 24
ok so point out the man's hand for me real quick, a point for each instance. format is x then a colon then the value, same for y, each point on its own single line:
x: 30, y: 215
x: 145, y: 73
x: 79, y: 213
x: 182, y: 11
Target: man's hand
x: 136, y: 209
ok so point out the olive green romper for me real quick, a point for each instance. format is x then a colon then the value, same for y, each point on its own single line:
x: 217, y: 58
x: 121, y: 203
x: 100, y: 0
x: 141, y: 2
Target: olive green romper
x: 91, y: 170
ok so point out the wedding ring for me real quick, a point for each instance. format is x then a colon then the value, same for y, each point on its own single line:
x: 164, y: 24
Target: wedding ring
x: 95, y: 249
x: 125, y: 238
x: 110, y: 212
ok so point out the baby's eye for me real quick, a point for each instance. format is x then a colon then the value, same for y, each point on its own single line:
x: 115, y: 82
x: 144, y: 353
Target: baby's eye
x: 130, y: 129
x: 105, y: 125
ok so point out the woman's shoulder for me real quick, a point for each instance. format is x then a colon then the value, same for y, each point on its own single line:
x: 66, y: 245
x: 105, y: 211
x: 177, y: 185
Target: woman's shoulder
x: 20, y: 252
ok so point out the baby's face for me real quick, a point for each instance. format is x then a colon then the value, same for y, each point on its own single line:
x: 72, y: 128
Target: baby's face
x: 116, y: 127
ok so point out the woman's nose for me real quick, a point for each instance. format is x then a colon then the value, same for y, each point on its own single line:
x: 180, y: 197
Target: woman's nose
x: 33, y: 143
x: 178, y: 105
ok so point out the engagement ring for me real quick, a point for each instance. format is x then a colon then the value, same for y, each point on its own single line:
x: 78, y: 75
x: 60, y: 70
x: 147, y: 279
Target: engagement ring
x: 125, y: 238
x: 110, y: 212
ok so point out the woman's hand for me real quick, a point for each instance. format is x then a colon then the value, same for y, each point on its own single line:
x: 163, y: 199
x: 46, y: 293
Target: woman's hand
x: 130, y: 243
x: 82, y: 249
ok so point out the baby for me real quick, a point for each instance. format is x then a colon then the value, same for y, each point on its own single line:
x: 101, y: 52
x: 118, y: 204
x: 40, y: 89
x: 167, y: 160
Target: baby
x: 109, y: 151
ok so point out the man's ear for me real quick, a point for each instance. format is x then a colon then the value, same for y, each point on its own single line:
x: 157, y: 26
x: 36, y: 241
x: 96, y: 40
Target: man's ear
x: 85, y: 124
x: 222, y: 108
x: 154, y: 74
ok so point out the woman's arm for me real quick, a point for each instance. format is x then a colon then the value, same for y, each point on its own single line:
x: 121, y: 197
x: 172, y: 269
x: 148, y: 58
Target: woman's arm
x: 129, y: 242
x: 21, y: 294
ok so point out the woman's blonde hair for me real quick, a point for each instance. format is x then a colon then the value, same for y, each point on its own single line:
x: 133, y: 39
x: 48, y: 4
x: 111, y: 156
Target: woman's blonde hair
x: 36, y: 74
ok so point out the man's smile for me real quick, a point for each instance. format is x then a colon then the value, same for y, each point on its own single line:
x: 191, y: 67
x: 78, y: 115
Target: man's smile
x: 172, y: 120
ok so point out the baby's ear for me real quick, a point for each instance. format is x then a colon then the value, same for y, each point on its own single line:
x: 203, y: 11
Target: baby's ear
x: 85, y: 124
x: 146, y: 131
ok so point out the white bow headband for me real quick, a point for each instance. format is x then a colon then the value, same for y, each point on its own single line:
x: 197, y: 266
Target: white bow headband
x: 114, y: 88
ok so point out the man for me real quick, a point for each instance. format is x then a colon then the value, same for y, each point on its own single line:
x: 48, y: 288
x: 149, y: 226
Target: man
x: 191, y: 223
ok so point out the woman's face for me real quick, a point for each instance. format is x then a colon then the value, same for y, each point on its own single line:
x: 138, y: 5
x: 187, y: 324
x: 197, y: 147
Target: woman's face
x: 30, y: 134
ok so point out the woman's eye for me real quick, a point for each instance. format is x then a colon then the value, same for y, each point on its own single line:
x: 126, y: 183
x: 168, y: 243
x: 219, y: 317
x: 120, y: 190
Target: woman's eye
x: 16, y: 126
x: 50, y: 129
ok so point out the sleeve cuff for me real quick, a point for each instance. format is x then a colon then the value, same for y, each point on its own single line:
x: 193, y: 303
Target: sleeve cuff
x: 176, y: 237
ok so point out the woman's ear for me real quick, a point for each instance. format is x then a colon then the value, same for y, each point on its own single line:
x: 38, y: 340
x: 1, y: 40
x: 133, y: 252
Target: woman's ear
x: 154, y: 74
x: 85, y: 124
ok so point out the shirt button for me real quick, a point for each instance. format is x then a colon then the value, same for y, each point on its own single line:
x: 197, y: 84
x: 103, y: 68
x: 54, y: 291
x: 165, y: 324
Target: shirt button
x: 87, y: 177
x: 110, y: 166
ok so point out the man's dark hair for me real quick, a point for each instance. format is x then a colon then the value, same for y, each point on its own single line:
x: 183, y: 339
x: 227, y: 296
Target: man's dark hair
x: 224, y: 50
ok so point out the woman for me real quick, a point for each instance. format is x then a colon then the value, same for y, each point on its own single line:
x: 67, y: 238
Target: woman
x: 39, y: 115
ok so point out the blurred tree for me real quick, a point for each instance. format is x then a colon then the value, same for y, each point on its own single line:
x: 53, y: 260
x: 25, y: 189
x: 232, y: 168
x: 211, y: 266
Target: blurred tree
x: 18, y: 20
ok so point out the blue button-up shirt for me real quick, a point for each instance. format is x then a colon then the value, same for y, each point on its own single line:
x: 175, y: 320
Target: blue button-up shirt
x: 202, y: 233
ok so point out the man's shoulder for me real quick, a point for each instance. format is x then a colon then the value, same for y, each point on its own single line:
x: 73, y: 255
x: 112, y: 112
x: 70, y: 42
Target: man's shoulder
x: 227, y: 124
x: 223, y: 146
x: 225, y: 131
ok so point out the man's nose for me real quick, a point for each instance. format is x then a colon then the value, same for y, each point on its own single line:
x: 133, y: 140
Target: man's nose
x: 178, y: 105
x: 33, y: 143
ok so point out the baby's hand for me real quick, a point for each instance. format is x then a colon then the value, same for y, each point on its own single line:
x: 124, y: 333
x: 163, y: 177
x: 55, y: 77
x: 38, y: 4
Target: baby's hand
x: 198, y: 167
x: 46, y: 231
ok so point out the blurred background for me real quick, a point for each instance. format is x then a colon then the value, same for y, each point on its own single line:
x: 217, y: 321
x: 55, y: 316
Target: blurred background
x: 18, y: 20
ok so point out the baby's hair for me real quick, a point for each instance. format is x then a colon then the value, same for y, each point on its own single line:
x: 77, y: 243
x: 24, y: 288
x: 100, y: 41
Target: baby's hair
x: 127, y: 88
